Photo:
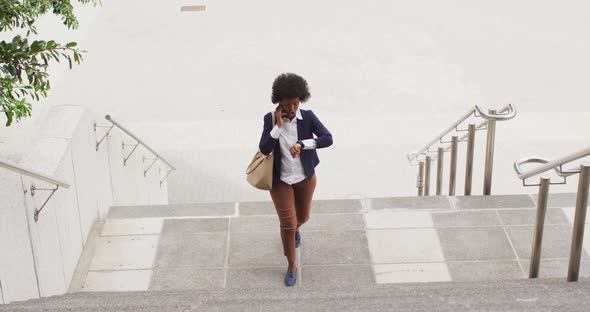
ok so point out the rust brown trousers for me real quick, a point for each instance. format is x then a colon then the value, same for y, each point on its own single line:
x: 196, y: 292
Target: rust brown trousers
x: 293, y: 203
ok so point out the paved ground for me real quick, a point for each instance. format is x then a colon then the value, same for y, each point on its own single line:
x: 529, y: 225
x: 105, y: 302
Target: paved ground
x: 345, y: 243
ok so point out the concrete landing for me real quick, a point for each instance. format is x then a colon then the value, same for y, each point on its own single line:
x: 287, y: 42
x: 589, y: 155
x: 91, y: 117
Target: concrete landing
x: 345, y: 243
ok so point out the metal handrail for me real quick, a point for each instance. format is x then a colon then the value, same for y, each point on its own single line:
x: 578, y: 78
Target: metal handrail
x: 497, y: 116
x: 425, y: 156
x: 480, y: 126
x: 549, y: 165
x: 476, y: 112
x: 414, y: 155
x: 33, y: 174
x: 581, y: 205
x: 34, y: 189
x: 118, y: 125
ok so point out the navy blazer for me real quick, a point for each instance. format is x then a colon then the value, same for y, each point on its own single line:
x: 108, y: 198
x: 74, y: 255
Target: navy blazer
x: 306, y: 128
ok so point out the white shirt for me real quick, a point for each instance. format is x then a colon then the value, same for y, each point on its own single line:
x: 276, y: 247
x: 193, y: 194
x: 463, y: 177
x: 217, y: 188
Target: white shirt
x: 291, y: 168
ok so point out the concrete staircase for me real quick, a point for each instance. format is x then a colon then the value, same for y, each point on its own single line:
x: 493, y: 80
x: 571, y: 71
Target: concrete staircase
x: 411, y: 253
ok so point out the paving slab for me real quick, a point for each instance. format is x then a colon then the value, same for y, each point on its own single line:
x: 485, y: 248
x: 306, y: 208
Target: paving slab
x: 317, y: 207
x: 335, y: 247
x: 485, y: 243
x: 334, y: 222
x: 124, y: 252
x: 337, y: 276
x: 195, y: 225
x: 556, y: 268
x: 465, y: 218
x: 191, y: 250
x: 404, y: 245
x: 528, y: 216
x: 411, y: 273
x: 336, y: 206
x: 171, y: 211
x: 255, y: 224
x: 398, y: 220
x: 556, y: 241
x: 256, y: 249
x: 484, y: 270
x: 492, y: 202
x: 257, y: 208
x: 429, y: 202
x: 125, y: 280
x: 114, y: 227
x: 263, y: 278
x: 187, y: 278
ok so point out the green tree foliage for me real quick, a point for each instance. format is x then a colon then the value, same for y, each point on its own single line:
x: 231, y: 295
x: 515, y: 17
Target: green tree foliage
x: 24, y: 63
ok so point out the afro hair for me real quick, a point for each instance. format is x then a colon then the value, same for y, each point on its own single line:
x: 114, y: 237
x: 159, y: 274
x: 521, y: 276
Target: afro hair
x: 289, y: 86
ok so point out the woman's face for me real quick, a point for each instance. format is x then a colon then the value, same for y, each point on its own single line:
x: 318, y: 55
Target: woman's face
x: 289, y: 107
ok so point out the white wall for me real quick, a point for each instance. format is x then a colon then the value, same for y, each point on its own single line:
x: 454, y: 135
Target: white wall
x: 386, y: 76
x: 39, y: 258
x: 17, y: 270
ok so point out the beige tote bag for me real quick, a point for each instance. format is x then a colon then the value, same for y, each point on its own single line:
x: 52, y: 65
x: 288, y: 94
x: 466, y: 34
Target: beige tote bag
x: 259, y: 172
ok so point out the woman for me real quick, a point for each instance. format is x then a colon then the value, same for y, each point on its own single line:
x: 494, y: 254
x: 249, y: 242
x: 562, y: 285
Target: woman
x: 295, y: 158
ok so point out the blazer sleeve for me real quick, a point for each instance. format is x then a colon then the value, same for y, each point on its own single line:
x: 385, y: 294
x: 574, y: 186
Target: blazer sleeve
x: 267, y: 142
x: 324, y: 137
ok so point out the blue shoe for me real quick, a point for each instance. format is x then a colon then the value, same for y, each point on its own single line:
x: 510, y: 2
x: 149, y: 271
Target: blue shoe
x: 290, y: 278
x: 297, y: 239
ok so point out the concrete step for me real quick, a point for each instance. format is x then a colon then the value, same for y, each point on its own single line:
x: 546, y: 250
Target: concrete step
x: 369, y: 242
x: 520, y: 295
x: 171, y: 211
x: 228, y: 209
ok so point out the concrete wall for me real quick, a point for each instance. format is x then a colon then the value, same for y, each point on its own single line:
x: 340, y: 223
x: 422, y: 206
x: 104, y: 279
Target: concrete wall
x: 385, y: 76
x: 39, y: 258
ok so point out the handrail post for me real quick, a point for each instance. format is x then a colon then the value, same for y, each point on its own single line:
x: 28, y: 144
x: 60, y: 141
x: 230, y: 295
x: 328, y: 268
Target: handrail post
x: 579, y: 220
x: 469, y: 162
x: 539, y: 225
x: 439, y: 170
x: 453, y: 170
x: 427, y: 176
x: 487, y: 183
x: 420, y: 178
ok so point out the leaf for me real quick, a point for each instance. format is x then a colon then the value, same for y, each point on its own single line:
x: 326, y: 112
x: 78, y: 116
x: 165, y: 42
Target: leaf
x: 8, y: 117
x: 36, y: 46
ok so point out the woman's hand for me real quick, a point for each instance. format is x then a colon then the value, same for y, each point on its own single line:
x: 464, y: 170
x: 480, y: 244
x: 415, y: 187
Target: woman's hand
x: 295, y: 150
x: 279, y: 116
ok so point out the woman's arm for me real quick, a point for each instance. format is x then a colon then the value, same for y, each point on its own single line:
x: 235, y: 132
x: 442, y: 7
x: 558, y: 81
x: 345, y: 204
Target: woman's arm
x: 324, y: 137
x: 270, y: 135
